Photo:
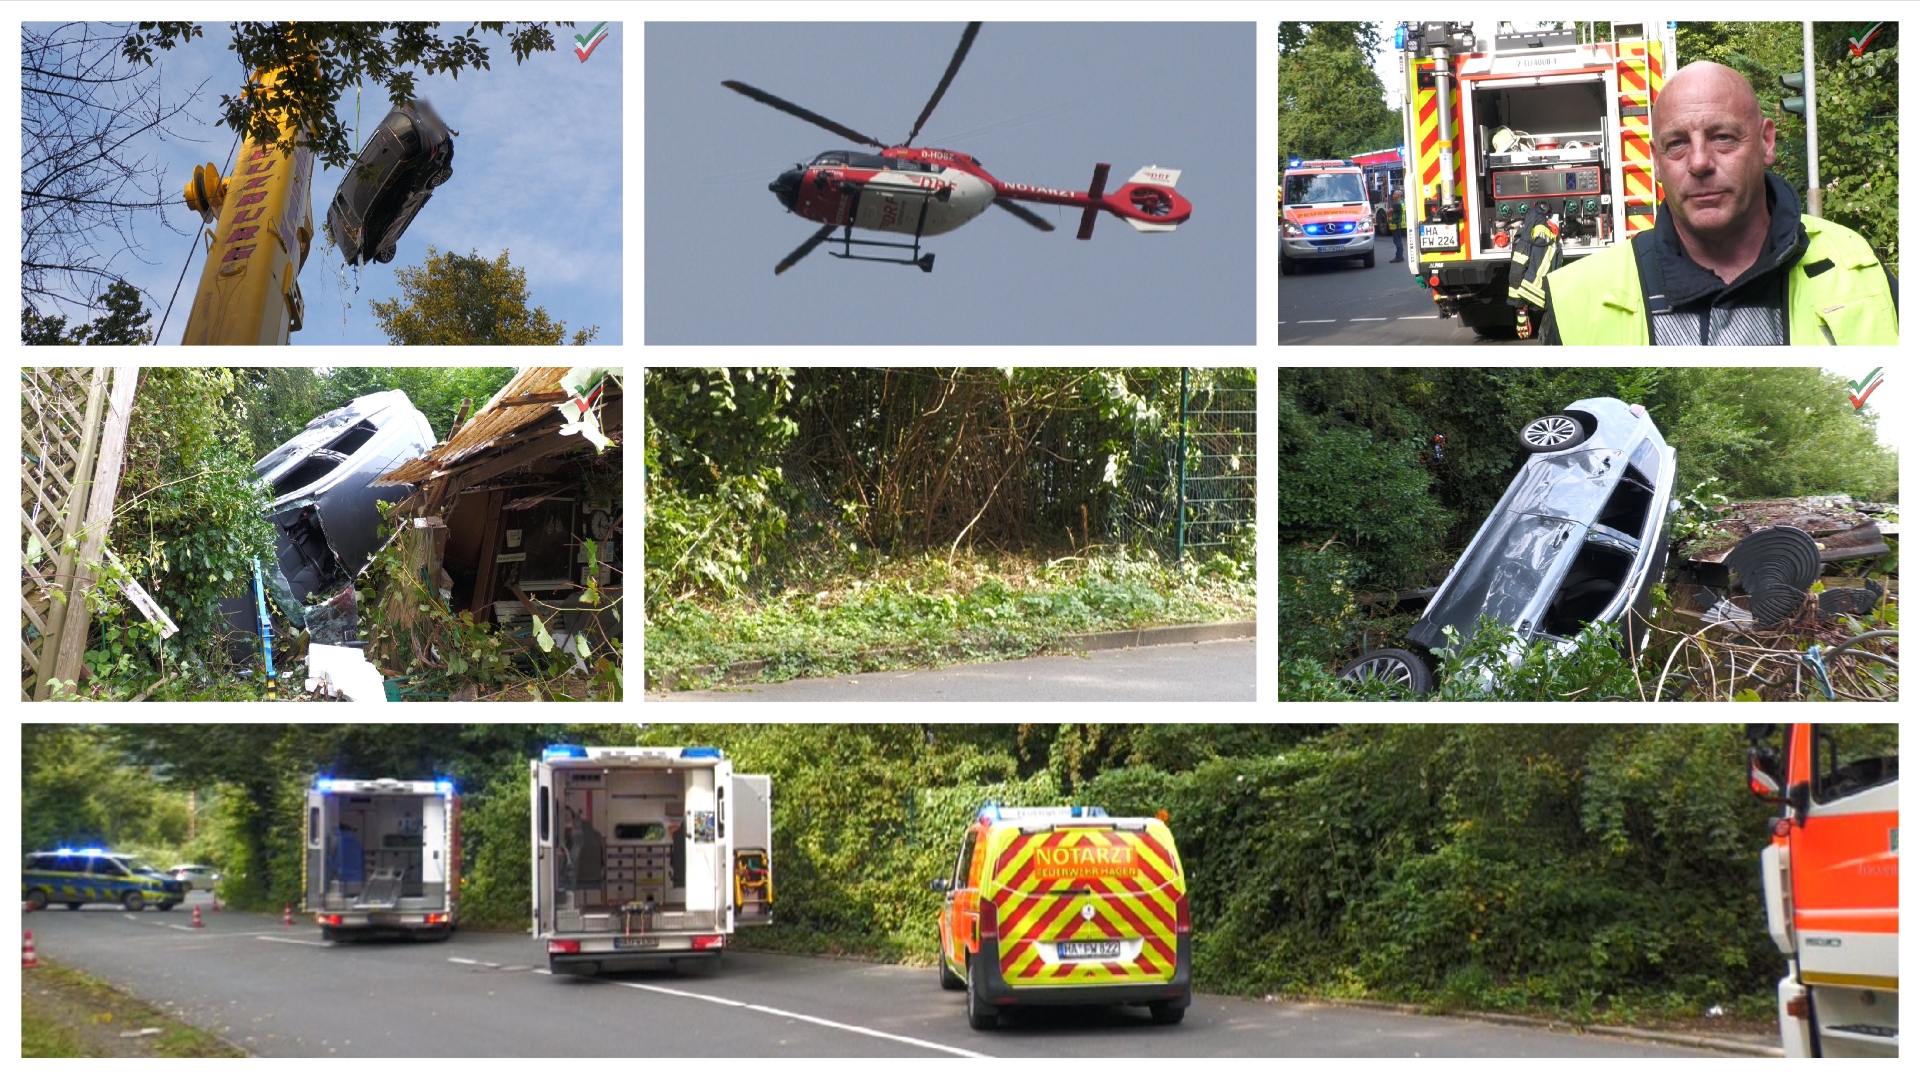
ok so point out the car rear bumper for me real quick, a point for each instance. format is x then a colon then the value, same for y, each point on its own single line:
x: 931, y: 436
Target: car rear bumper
x: 1175, y: 991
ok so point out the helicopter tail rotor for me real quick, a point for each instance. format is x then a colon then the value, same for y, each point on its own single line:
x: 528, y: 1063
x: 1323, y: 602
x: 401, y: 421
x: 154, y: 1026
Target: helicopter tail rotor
x: 1148, y: 202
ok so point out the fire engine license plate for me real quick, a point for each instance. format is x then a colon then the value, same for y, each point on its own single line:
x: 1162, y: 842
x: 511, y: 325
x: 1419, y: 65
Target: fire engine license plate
x: 1089, y: 950
x: 1439, y: 238
x: 636, y: 943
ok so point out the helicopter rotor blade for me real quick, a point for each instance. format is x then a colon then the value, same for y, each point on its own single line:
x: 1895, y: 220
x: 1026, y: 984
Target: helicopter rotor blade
x: 953, y: 67
x: 808, y: 115
x: 806, y: 248
x: 1024, y: 214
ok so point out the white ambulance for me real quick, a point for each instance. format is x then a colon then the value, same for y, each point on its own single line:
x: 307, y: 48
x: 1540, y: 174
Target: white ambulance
x: 382, y: 857
x: 646, y: 854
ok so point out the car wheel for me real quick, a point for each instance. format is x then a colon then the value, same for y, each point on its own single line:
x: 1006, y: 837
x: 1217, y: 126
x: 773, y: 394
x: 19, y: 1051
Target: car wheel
x: 980, y: 1015
x: 73, y: 905
x: 1550, y: 433
x: 384, y: 255
x: 1287, y: 266
x: 1405, y: 671
x: 37, y: 901
x: 1367, y: 260
x: 1167, y: 1012
x: 948, y: 980
x: 165, y: 906
x: 445, y: 174
x: 133, y: 901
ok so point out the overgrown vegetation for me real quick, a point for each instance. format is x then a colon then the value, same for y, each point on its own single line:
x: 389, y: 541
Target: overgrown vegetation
x: 1584, y: 871
x: 844, y: 519
x: 66, y: 1013
x: 1369, y: 504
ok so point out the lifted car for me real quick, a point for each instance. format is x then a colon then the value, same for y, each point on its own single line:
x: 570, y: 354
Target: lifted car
x: 1580, y: 537
x: 406, y: 157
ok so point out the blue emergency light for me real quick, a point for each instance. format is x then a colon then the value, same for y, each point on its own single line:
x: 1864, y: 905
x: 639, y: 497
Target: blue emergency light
x: 444, y: 787
x: 324, y: 783
x: 701, y: 752
x: 565, y: 750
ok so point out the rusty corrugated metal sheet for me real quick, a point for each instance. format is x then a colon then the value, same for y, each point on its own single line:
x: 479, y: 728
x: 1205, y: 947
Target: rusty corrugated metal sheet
x: 490, y: 427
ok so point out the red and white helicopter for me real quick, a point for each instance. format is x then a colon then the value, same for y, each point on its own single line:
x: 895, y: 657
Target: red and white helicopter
x: 923, y: 192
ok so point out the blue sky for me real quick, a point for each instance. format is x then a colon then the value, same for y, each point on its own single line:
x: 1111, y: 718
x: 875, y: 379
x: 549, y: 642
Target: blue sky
x: 1040, y: 103
x: 537, y: 171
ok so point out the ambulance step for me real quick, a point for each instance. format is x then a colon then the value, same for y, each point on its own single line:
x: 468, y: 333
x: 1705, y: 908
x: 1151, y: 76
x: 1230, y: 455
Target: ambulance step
x: 1864, y: 1035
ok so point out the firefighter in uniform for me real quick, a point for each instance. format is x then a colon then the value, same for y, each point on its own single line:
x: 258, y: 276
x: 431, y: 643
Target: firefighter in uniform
x: 1731, y: 259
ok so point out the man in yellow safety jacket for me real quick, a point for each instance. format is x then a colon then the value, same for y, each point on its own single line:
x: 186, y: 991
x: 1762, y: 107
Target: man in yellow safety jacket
x: 1731, y: 260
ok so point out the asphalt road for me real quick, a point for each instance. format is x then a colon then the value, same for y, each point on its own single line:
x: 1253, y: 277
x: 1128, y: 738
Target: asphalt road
x: 282, y: 992
x: 1342, y: 303
x: 1209, y: 671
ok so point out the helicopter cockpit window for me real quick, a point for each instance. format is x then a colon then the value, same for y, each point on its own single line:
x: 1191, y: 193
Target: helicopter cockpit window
x: 849, y: 159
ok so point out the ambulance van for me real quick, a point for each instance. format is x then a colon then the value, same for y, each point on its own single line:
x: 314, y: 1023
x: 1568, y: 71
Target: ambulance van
x: 1065, y: 906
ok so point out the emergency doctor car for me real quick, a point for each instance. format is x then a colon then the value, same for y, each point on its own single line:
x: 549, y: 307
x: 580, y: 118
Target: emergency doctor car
x: 1066, y: 906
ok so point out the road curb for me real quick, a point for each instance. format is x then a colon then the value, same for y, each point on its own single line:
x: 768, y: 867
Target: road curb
x: 1142, y: 637
x: 1670, y: 1038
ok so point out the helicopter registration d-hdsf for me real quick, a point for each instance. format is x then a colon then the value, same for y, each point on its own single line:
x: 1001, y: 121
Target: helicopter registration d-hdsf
x: 922, y: 192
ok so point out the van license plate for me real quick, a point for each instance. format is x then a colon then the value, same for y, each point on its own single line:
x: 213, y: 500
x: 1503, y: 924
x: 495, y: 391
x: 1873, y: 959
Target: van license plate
x: 1089, y: 950
x: 636, y: 943
x: 1439, y: 238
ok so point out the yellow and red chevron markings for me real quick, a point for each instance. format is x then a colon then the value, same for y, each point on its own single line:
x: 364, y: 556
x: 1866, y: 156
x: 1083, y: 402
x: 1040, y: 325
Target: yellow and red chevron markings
x: 1640, y: 79
x: 1426, y: 131
x: 1130, y: 882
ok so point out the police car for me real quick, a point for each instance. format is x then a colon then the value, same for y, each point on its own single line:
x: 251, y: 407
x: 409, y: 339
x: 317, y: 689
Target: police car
x: 94, y: 876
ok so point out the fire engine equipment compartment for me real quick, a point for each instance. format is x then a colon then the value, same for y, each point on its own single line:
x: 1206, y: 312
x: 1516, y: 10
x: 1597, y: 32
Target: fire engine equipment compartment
x: 1543, y: 143
x: 383, y: 856
x: 646, y: 854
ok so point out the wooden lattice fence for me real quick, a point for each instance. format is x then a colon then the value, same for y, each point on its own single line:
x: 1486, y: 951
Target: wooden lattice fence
x: 73, y: 429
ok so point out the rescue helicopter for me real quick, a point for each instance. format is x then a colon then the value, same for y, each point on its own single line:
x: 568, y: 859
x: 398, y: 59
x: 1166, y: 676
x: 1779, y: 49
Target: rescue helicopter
x: 920, y: 192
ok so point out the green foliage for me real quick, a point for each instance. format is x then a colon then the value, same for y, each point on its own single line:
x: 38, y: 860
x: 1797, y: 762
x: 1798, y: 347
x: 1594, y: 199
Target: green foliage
x: 189, y: 523
x: 76, y: 791
x: 1331, y: 102
x: 1317, y: 609
x: 323, y: 61
x: 1496, y: 664
x: 468, y: 300
x: 1369, y: 494
x: 123, y: 324
x: 1772, y: 432
x: 922, y: 610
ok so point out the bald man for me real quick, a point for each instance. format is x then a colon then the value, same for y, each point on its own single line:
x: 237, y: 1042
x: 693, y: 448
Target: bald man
x: 1731, y: 259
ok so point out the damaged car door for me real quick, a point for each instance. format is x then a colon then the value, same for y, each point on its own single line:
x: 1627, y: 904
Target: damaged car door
x: 325, y: 513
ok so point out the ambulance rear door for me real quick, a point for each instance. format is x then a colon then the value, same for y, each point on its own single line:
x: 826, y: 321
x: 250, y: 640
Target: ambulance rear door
x: 753, y: 848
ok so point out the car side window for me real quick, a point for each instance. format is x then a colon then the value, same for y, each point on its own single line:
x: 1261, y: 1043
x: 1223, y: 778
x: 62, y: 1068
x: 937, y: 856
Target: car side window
x: 46, y: 862
x: 965, y: 860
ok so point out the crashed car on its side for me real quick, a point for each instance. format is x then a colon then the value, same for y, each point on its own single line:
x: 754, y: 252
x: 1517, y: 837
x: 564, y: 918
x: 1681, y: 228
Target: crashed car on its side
x: 406, y: 157
x: 324, y: 512
x: 1579, y: 537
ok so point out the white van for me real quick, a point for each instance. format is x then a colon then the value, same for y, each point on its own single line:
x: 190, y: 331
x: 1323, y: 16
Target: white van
x: 383, y: 857
x: 646, y: 854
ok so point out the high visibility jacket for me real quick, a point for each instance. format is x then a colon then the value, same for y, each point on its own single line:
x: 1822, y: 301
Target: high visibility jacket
x: 1845, y: 300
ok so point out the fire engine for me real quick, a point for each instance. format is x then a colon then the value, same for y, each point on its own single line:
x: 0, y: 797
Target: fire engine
x: 1831, y: 882
x: 1500, y: 122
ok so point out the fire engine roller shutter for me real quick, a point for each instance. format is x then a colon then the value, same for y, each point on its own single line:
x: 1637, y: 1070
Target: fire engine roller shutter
x: 1036, y: 905
x: 1640, y: 81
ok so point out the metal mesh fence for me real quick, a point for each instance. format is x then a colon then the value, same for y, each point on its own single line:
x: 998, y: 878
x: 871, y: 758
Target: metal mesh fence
x: 1189, y: 482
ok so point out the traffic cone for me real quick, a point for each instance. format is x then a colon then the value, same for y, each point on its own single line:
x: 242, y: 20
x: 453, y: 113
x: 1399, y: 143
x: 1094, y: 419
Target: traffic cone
x: 286, y: 917
x: 216, y: 903
x: 196, y: 917
x: 27, y: 957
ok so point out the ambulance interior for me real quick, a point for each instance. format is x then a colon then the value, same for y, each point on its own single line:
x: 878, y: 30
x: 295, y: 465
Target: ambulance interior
x: 375, y: 855
x: 1543, y: 143
x: 620, y: 852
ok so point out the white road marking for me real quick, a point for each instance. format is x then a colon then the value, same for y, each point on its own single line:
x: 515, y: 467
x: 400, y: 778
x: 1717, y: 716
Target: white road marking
x: 176, y: 926
x: 1380, y: 318
x: 460, y: 960
x: 1303, y: 322
x: 1404, y: 318
x: 296, y: 941
x: 804, y: 1018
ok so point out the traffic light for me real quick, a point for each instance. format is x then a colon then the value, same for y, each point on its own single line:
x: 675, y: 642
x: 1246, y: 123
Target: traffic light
x: 1796, y: 82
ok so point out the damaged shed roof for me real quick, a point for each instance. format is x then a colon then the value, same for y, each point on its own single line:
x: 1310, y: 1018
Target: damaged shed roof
x: 518, y: 426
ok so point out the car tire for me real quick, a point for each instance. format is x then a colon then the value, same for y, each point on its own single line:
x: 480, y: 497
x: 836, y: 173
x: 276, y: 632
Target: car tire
x: 1287, y: 266
x: 37, y: 901
x: 980, y: 1015
x: 948, y: 980
x: 1167, y: 1013
x: 166, y: 906
x: 445, y: 174
x: 384, y: 255
x: 1555, y: 431
x: 1396, y: 667
x: 74, y: 905
x: 1367, y: 260
x: 132, y: 901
